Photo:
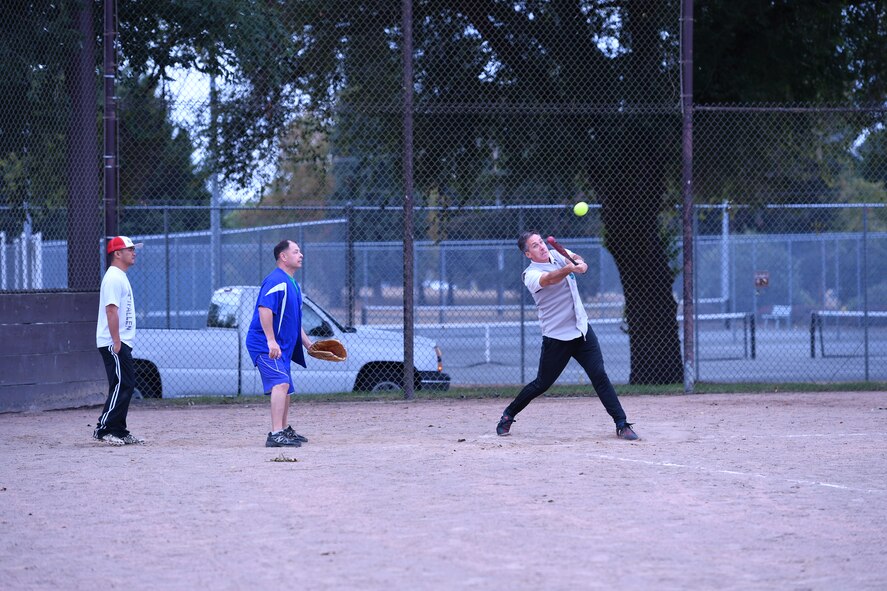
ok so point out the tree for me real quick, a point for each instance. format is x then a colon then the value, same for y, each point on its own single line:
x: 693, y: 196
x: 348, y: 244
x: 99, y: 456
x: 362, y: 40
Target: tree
x: 565, y: 118
x: 34, y: 38
x: 873, y: 155
x: 304, y: 177
x: 575, y: 98
x: 38, y: 43
x: 801, y: 56
x: 156, y: 163
x: 251, y: 47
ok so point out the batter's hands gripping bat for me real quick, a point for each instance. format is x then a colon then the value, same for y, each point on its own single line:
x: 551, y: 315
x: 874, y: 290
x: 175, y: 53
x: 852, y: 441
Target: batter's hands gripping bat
x: 560, y: 249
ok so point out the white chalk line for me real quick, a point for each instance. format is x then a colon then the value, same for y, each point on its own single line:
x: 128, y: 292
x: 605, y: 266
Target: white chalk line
x: 767, y: 436
x: 830, y: 485
x: 797, y: 436
x: 740, y: 473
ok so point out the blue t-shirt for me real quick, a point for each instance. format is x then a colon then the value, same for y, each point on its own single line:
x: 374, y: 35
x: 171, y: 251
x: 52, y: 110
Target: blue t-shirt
x: 280, y: 294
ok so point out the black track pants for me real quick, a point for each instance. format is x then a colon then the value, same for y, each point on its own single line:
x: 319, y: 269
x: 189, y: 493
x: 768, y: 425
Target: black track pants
x: 121, y: 383
x: 552, y: 361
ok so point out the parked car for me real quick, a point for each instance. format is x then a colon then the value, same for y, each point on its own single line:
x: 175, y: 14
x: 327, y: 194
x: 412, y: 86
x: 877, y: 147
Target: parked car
x: 173, y: 363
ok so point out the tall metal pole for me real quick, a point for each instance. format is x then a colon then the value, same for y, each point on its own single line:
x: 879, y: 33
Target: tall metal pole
x: 215, y: 214
x: 408, y: 279
x: 687, y: 184
x: 109, y: 118
x: 725, y: 256
x: 865, y: 287
x: 349, y: 260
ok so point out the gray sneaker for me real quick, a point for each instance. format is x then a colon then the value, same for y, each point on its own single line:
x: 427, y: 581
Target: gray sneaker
x: 130, y: 439
x: 111, y: 440
x: 626, y: 432
x: 291, y: 433
x: 504, y: 426
x: 281, y: 440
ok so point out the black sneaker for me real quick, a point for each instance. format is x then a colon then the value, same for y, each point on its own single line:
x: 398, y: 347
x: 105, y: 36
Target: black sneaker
x: 626, y: 432
x: 281, y: 440
x: 504, y: 426
x: 291, y: 433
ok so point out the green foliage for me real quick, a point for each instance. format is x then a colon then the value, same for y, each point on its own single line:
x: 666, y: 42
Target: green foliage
x: 502, y: 113
x: 35, y: 39
x: 156, y: 157
x: 304, y: 178
x: 794, y: 54
x: 38, y: 46
x: 765, y: 51
x: 259, y: 50
x: 543, y: 101
x: 873, y: 155
x: 854, y: 189
x: 156, y: 166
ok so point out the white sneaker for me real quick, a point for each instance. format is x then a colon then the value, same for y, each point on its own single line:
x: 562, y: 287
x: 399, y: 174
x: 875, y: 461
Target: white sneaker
x: 112, y: 439
x: 130, y: 439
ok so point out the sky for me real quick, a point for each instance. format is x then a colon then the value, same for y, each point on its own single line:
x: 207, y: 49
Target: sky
x: 188, y: 95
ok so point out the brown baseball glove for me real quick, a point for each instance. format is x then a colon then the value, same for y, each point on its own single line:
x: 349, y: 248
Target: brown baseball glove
x: 329, y: 350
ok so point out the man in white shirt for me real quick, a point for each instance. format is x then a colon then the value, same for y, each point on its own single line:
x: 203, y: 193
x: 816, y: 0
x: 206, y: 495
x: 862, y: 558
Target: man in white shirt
x: 115, y: 335
x: 566, y: 333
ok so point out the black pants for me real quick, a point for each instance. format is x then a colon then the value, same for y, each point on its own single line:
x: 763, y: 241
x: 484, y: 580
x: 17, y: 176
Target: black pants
x: 554, y: 358
x: 121, y: 383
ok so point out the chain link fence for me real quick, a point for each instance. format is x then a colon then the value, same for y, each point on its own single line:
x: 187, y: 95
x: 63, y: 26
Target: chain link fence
x: 238, y: 128
x: 794, y: 301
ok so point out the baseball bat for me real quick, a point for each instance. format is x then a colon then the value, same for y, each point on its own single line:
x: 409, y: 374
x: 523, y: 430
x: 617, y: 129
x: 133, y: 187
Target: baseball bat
x: 560, y: 249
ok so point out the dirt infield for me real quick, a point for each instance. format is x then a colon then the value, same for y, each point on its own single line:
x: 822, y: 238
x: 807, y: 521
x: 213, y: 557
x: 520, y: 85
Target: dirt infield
x: 756, y: 491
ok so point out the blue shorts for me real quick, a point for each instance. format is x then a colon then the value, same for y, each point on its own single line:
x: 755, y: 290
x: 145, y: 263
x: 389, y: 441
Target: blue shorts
x: 274, y: 372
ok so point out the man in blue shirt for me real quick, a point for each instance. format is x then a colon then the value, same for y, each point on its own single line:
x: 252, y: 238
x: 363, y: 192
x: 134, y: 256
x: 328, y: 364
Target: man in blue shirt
x: 275, y: 337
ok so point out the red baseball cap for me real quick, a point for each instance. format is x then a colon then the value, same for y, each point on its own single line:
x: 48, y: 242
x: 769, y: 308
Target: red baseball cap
x: 121, y: 242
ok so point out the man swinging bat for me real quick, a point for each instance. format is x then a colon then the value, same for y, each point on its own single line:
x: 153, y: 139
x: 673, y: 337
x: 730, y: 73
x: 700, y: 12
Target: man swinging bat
x: 566, y: 334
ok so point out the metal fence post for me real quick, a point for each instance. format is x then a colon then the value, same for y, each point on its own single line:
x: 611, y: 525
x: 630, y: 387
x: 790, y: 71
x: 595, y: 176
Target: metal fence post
x: 109, y: 118
x: 408, y: 278
x: 349, y: 261
x: 687, y: 184
x: 166, y: 262
x: 523, y: 303
x: 865, y: 289
x: 215, y: 216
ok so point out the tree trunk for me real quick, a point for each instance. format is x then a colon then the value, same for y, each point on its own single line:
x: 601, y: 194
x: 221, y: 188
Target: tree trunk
x: 632, y: 197
x: 84, y: 198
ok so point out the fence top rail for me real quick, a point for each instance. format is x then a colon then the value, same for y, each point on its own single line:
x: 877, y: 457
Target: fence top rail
x: 233, y: 231
x: 517, y: 108
x: 850, y: 313
x: 733, y: 205
x: 824, y: 205
x: 459, y: 208
x: 679, y: 318
x: 498, y: 324
x: 482, y: 307
x: 232, y: 206
x: 614, y: 304
x: 783, y: 108
x: 719, y: 316
x: 393, y: 208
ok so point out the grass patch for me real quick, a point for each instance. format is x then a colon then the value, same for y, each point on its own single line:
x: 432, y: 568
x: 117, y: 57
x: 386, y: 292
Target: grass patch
x: 509, y: 392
